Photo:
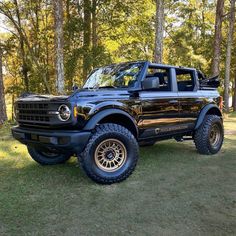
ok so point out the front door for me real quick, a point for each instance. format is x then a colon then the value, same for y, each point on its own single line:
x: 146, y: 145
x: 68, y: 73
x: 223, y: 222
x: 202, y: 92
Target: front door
x: 160, y: 107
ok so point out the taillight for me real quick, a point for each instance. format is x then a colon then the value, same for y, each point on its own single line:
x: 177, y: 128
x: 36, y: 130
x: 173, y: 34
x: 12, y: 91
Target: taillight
x: 221, y: 103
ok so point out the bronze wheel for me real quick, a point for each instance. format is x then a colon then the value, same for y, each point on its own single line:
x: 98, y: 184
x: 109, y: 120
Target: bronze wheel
x: 110, y: 155
x: 209, y: 136
x: 215, y: 135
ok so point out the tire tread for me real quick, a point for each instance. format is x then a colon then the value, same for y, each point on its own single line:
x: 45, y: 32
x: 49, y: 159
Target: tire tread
x: 100, y: 130
x: 41, y: 159
x: 201, y: 135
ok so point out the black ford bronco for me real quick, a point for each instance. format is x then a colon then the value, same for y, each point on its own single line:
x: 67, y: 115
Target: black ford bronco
x: 120, y: 107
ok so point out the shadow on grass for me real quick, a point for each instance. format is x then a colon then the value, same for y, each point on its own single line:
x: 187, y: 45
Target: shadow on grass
x: 17, y: 167
x: 17, y: 163
x: 56, y: 175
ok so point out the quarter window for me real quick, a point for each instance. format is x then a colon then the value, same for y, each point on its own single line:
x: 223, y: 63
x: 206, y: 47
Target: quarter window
x: 185, y: 80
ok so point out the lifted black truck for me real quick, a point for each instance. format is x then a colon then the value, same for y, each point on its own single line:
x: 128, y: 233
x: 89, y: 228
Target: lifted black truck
x: 120, y: 107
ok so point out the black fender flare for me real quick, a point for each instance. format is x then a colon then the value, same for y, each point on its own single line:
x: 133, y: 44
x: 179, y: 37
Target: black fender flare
x: 91, y: 124
x: 204, y: 111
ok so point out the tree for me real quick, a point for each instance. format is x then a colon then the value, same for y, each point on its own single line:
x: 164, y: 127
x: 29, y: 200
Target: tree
x: 94, y: 30
x: 22, y: 32
x: 234, y: 94
x: 99, y: 32
x: 217, y: 37
x: 3, y: 112
x: 86, y: 38
x: 158, y: 53
x: 94, y: 23
x: 25, y: 67
x: 59, y: 41
x: 228, y: 54
x: 188, y: 27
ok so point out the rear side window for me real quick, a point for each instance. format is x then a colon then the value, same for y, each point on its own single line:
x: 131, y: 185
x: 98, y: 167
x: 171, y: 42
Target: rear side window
x: 185, y: 80
x: 163, y: 75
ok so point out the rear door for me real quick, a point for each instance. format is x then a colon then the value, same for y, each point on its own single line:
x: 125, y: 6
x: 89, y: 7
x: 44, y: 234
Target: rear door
x: 160, y: 106
x: 190, y: 98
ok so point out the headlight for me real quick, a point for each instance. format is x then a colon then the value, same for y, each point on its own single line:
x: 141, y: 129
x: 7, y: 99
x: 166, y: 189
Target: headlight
x: 64, y: 113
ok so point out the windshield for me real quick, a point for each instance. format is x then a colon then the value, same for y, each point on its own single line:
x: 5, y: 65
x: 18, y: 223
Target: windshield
x: 114, y: 76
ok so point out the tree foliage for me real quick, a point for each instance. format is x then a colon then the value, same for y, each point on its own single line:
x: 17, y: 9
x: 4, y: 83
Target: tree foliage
x: 98, y: 32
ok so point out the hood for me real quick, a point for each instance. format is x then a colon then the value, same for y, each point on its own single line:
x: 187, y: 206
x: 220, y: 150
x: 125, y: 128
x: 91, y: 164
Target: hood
x: 78, y: 94
x: 89, y: 93
x: 42, y: 98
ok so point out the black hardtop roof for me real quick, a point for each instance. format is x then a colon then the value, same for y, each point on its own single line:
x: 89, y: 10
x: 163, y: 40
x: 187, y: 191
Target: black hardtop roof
x: 153, y: 64
x: 169, y: 66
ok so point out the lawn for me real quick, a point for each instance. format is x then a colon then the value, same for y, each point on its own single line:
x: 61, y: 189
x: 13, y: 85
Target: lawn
x: 173, y: 191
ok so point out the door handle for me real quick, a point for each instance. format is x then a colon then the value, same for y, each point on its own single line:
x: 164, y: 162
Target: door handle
x: 173, y: 101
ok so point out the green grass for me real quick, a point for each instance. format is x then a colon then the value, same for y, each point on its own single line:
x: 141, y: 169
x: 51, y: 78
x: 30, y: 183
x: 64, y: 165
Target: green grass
x: 173, y: 191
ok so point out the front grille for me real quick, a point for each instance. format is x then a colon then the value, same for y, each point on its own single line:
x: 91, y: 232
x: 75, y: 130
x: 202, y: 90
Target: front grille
x: 32, y: 113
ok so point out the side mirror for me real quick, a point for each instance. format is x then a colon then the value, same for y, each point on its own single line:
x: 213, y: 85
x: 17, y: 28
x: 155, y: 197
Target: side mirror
x: 151, y: 83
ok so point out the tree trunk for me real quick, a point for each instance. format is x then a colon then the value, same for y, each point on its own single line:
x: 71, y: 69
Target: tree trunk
x: 203, y: 29
x: 158, y: 53
x: 25, y: 68
x: 94, y: 23
x: 228, y: 55
x: 217, y: 37
x: 87, y: 38
x: 58, y: 21
x: 3, y: 112
x: 12, y: 106
x: 94, y: 30
x: 234, y: 94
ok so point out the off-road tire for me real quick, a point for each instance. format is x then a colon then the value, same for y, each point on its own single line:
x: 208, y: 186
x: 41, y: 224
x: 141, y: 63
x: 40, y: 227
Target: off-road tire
x: 202, y: 135
x: 102, y: 133
x: 42, y: 158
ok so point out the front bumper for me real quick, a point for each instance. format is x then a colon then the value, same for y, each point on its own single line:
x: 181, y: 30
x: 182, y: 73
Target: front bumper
x: 73, y: 141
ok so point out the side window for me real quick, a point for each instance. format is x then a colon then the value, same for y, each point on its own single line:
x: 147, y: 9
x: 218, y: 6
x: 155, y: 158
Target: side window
x: 164, y: 78
x: 185, y: 80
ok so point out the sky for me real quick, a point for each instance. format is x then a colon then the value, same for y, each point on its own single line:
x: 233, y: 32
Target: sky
x: 2, y: 25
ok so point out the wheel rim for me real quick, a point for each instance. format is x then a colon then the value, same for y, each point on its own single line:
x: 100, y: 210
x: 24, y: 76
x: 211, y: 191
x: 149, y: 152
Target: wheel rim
x: 110, y: 155
x: 215, y: 135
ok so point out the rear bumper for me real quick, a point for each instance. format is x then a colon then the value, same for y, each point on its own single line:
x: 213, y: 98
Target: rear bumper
x: 73, y: 141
